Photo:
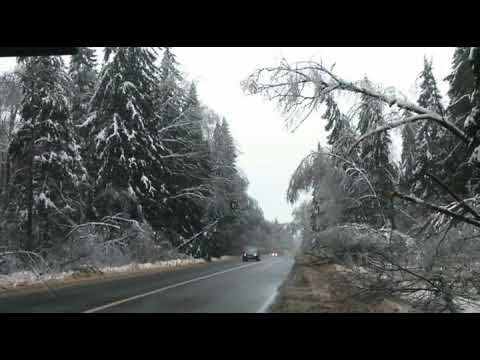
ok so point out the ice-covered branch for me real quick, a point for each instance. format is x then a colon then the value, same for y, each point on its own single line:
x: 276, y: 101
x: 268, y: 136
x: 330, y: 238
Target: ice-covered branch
x: 430, y: 116
x: 440, y: 209
x: 461, y: 202
x: 286, y: 83
x: 76, y: 227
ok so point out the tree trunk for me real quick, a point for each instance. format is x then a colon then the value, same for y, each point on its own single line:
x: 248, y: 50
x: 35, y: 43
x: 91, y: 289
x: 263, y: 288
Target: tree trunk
x: 29, y: 242
x: 2, y: 177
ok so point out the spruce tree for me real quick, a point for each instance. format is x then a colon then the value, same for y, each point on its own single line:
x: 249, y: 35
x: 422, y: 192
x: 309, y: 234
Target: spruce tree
x: 229, y: 193
x: 409, y: 155
x: 46, y: 153
x: 83, y: 73
x: 429, y: 137
x: 375, y: 154
x: 122, y: 130
x: 464, y: 93
x: 185, y: 161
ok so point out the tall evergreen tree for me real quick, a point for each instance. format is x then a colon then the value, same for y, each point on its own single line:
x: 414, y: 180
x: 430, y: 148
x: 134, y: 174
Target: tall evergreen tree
x: 170, y: 96
x: 375, y: 153
x: 191, y: 180
x: 45, y: 152
x: 83, y: 73
x: 179, y: 128
x: 429, y: 137
x: 409, y: 154
x: 122, y: 130
x: 463, y: 110
x: 341, y: 135
x: 229, y: 196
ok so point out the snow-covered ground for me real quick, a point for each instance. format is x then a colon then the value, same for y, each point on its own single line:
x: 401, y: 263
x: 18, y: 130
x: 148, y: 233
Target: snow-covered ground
x: 26, y: 278
x: 151, y: 266
x: 469, y: 306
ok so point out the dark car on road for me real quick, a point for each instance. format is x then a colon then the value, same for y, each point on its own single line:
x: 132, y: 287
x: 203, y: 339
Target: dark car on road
x: 251, y: 253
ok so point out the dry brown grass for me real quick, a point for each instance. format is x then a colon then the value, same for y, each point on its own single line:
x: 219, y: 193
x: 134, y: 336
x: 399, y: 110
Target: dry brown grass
x: 327, y: 288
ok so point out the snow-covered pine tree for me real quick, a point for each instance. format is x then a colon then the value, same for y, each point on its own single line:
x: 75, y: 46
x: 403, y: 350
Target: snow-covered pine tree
x: 225, y: 150
x: 170, y: 95
x: 429, y: 137
x: 10, y: 99
x: 341, y: 133
x: 229, y: 195
x: 340, y: 139
x: 190, y: 180
x: 45, y: 154
x: 185, y: 162
x: 464, y: 93
x: 84, y: 75
x: 225, y: 154
x: 409, y: 155
x: 375, y: 154
x: 83, y: 72
x: 122, y: 132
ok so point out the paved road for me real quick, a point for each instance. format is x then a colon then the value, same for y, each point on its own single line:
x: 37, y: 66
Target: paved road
x: 225, y: 286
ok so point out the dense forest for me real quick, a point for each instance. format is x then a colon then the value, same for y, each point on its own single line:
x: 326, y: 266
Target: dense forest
x: 116, y: 160
x: 410, y: 228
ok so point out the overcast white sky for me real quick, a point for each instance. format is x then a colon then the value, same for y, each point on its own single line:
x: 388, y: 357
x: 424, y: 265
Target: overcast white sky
x: 270, y: 154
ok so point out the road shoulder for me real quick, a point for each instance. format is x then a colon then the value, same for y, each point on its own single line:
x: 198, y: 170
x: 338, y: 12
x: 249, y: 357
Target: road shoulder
x: 96, y: 278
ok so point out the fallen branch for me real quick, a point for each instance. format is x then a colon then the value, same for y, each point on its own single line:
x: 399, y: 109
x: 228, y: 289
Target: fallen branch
x: 28, y: 253
x: 197, y: 235
x: 455, y: 196
x: 326, y: 82
x: 437, y: 208
x: 430, y: 116
x: 75, y: 228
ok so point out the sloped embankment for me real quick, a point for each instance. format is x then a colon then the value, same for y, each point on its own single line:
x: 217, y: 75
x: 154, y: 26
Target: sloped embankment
x: 315, y: 287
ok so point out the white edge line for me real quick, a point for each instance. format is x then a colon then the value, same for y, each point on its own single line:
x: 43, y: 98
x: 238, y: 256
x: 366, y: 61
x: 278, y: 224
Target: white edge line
x: 119, y: 302
x: 269, y: 302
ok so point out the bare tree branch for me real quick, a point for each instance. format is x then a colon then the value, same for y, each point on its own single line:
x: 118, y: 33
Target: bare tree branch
x: 455, y: 196
x: 430, y: 116
x: 440, y: 209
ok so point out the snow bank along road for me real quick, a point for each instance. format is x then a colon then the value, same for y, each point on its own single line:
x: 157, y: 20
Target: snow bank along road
x: 226, y: 286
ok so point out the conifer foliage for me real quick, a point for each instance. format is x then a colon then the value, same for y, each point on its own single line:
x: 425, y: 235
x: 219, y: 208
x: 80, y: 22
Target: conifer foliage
x: 128, y: 140
x: 44, y: 152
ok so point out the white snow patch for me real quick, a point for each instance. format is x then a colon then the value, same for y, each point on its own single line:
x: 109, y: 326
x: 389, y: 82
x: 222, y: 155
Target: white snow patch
x: 469, y: 306
x: 26, y: 278
x: 151, y: 266
x: 22, y: 278
x: 89, y: 119
x: 475, y: 157
x: 46, y: 200
x: 65, y: 157
x: 101, y: 135
x: 146, y: 181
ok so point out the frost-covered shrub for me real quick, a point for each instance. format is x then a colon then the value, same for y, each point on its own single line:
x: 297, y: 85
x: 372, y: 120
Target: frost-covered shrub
x: 349, y: 242
x: 433, y: 271
x: 115, y: 242
x: 22, y: 261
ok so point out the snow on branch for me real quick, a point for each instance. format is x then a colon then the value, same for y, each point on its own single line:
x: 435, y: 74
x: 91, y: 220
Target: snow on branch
x: 461, y: 202
x: 440, y: 209
x: 197, y: 234
x: 30, y: 254
x: 287, y: 84
x: 76, y: 227
x: 430, y: 116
